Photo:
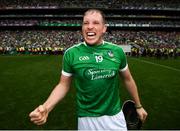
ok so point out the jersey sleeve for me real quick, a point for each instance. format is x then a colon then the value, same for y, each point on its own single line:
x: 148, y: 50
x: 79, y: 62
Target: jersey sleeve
x: 123, y: 65
x: 66, y: 66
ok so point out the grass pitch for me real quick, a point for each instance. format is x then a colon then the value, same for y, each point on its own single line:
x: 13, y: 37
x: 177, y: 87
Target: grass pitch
x: 26, y: 82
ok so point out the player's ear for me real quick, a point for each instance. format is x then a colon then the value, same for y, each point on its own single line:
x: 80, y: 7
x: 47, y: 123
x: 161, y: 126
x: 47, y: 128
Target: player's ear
x: 105, y: 28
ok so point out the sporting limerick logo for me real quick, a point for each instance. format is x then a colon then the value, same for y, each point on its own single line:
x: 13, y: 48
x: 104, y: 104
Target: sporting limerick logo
x: 94, y: 74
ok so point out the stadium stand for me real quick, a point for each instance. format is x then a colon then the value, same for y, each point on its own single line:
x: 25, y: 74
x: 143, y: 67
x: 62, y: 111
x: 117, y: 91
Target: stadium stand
x: 45, y: 27
x: 139, y: 4
x: 41, y: 41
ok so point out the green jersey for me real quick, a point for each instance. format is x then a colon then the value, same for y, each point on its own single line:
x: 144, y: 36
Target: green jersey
x: 96, y: 74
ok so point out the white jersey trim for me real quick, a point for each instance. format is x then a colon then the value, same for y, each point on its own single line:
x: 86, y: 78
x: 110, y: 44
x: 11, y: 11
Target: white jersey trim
x: 125, y: 68
x: 66, y: 73
x: 76, y: 45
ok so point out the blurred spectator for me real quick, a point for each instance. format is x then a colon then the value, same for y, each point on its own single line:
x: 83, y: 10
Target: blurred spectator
x: 56, y: 41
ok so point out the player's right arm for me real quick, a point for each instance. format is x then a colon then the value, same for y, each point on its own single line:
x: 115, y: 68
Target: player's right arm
x: 40, y: 114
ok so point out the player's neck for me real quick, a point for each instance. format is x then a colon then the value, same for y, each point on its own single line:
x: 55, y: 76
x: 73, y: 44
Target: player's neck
x: 94, y: 45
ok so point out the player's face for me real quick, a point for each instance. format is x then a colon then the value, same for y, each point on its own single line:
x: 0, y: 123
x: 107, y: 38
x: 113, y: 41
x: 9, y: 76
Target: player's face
x: 93, y: 28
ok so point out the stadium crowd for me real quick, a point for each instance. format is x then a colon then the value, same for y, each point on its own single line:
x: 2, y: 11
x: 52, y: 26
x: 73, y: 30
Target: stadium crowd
x: 57, y: 41
x: 138, y: 4
x: 112, y: 23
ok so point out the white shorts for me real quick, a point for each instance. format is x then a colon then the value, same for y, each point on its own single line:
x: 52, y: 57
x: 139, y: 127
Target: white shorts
x: 115, y: 122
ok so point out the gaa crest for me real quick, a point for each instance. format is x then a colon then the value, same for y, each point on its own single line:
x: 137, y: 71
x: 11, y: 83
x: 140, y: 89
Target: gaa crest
x: 110, y: 53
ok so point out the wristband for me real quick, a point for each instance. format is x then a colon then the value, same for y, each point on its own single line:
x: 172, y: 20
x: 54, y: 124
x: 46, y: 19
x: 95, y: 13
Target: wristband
x: 138, y: 107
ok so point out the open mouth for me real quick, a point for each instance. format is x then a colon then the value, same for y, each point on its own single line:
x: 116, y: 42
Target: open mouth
x: 91, y: 34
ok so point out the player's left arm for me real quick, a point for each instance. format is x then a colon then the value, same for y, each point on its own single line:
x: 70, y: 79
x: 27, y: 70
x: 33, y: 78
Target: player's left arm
x: 133, y: 91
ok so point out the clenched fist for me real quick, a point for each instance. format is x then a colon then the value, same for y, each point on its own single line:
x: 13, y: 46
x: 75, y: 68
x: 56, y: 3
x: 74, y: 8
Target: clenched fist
x: 39, y: 115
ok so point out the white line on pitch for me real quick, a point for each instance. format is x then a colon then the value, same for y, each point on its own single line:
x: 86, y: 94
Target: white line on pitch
x: 164, y: 66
